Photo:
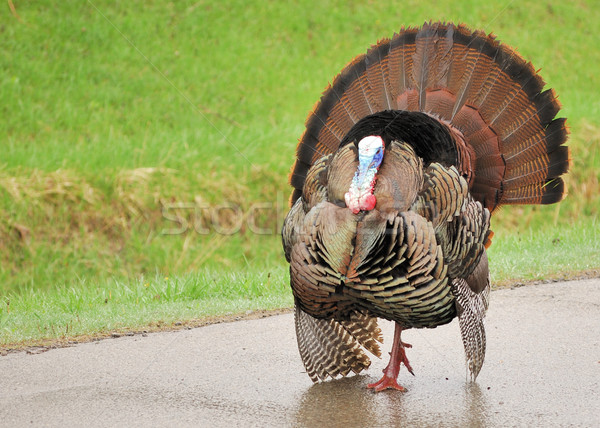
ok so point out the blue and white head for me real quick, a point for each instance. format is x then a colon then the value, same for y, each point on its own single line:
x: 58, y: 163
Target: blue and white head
x: 370, y: 155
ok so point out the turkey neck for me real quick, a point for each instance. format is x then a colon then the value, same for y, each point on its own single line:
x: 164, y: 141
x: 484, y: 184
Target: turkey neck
x: 348, y: 239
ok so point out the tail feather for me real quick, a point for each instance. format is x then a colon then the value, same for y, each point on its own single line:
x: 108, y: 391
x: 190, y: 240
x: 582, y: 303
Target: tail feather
x: 543, y: 192
x: 545, y: 141
x: 471, y: 308
x: 330, y: 348
x: 487, y: 94
x: 466, y: 78
x: 366, y: 331
x: 538, y: 169
x: 488, y: 72
x: 378, y: 77
x: 527, y: 127
x: 400, y: 53
x: 431, y: 59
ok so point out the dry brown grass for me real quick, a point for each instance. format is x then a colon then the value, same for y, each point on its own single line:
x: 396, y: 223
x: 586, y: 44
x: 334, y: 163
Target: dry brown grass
x: 119, y: 216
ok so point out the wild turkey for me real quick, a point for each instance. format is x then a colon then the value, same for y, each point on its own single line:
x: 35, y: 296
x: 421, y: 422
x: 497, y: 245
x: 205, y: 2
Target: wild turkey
x: 407, y: 153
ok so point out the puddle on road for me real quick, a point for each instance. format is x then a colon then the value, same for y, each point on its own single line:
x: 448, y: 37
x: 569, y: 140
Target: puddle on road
x: 347, y: 402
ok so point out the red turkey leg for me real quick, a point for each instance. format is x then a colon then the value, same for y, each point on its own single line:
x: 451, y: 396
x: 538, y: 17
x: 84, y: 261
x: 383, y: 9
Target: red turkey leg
x: 397, y: 357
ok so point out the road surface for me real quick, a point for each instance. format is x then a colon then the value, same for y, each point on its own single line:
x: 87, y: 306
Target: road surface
x: 542, y: 369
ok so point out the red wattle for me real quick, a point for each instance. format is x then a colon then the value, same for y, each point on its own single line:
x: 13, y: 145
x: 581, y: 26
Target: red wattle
x: 368, y: 202
x: 352, y: 203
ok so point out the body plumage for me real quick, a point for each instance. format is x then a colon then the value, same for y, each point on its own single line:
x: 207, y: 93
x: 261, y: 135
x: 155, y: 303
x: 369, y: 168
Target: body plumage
x: 404, y: 159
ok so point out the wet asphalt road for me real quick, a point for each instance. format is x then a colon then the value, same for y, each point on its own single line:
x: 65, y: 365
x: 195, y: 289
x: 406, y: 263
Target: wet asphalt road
x: 542, y: 369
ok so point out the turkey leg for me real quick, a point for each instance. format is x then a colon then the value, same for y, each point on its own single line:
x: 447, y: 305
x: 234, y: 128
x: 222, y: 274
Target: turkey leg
x: 397, y: 357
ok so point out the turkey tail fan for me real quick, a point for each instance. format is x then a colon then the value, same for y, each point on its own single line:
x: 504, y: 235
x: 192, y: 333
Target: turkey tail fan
x: 329, y: 348
x: 489, y: 98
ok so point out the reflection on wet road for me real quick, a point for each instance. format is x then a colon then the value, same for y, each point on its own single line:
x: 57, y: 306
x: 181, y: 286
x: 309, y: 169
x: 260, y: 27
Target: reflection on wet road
x: 542, y: 369
x: 321, y: 405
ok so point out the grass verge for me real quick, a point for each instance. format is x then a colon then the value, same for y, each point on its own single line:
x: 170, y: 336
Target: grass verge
x: 144, y: 304
x: 545, y: 253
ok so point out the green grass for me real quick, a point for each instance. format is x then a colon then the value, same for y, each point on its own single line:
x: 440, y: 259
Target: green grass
x: 89, y: 308
x: 190, y: 84
x: 124, y: 121
x: 546, y: 253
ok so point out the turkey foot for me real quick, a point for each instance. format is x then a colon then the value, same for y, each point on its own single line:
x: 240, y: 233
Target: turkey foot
x: 397, y: 357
